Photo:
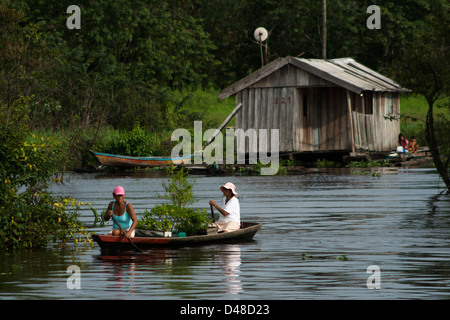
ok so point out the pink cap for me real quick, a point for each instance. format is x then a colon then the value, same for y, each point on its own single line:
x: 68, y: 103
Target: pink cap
x: 231, y: 187
x: 119, y: 191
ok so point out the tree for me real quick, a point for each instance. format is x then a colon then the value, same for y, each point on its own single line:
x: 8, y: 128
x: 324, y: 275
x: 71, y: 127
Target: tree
x: 29, y: 215
x: 425, y: 69
x: 176, y: 215
x: 119, y: 67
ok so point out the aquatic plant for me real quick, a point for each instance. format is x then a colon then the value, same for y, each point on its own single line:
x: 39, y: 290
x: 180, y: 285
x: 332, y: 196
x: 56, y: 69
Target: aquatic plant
x: 167, y: 217
x: 175, y: 215
x: 342, y: 258
x: 367, y: 164
x: 323, y: 163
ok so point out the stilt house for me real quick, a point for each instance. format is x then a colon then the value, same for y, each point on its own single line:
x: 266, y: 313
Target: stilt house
x: 335, y: 105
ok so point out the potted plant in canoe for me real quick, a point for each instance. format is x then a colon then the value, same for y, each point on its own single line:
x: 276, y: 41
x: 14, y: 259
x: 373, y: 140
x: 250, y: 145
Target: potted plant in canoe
x: 167, y: 220
x: 174, y: 218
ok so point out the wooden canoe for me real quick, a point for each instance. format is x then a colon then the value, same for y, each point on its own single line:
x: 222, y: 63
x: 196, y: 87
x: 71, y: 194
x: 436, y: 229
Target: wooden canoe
x: 114, y: 160
x: 245, y: 233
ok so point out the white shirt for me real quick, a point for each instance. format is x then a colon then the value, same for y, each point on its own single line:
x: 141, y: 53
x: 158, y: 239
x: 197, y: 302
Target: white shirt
x: 233, y: 209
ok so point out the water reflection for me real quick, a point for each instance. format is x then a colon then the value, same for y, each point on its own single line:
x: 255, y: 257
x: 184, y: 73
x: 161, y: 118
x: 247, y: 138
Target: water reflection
x: 126, y: 268
x: 230, y: 261
x: 310, y: 222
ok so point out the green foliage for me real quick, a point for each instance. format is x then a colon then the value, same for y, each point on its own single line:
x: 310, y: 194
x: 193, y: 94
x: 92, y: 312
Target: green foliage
x: 132, y: 143
x: 414, y: 109
x: 342, y: 258
x: 175, y: 215
x: 194, y: 220
x: 29, y: 215
x: 117, y: 68
x: 364, y: 167
x: 36, y: 220
x: 295, y: 28
x: 202, y: 104
x: 97, y: 217
x: 179, y: 189
x: 367, y: 164
x: 424, y: 68
x: 168, y: 217
x: 162, y: 217
x: 323, y: 163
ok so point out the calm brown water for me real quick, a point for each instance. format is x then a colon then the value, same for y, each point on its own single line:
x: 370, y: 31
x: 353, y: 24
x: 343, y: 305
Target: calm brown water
x: 321, y: 231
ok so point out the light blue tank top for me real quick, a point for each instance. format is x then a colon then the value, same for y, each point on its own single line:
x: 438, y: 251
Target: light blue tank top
x: 124, y: 220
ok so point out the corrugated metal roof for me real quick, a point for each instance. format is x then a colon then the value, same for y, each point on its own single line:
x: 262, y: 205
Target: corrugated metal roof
x: 353, y: 73
x: 344, y: 72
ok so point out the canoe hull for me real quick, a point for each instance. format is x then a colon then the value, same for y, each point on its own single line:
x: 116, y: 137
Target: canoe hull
x: 247, y: 231
x: 114, y: 160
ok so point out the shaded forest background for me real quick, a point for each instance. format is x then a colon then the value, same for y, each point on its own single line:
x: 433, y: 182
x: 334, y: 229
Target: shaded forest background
x: 142, y: 66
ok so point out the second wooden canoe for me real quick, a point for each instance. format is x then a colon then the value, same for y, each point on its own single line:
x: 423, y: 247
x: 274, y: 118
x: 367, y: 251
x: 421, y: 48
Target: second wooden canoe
x: 114, y: 160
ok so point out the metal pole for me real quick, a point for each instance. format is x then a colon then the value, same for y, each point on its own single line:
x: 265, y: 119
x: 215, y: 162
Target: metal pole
x: 324, y: 29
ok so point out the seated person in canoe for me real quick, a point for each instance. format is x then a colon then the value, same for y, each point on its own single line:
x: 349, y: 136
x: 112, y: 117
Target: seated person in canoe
x: 123, y: 214
x: 230, y: 213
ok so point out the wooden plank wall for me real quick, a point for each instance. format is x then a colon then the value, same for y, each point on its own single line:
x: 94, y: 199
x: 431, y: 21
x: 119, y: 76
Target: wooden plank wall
x: 268, y: 108
x: 386, y: 131
x: 277, y: 102
x: 373, y: 132
x: 334, y: 120
x: 324, y: 126
x: 363, y: 125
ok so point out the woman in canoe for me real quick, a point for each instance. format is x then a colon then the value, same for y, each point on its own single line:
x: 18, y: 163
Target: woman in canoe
x: 123, y: 213
x: 230, y: 212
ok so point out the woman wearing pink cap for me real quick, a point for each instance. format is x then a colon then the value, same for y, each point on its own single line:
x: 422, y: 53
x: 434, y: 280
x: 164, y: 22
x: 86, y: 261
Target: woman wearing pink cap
x: 230, y: 213
x: 123, y: 213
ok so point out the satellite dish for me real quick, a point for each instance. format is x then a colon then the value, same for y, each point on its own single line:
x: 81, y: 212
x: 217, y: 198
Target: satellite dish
x: 260, y: 34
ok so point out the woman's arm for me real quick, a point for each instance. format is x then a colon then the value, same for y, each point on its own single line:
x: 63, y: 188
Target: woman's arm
x: 108, y: 212
x: 212, y: 203
x: 133, y: 217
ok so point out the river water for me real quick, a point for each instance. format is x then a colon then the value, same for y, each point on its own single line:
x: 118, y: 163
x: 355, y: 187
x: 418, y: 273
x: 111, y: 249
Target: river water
x: 321, y: 231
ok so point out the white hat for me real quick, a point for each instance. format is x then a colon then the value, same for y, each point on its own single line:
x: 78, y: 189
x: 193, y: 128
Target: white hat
x: 231, y: 187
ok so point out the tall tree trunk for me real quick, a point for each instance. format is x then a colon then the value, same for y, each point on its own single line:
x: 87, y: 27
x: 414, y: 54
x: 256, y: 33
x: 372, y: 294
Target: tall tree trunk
x: 432, y: 144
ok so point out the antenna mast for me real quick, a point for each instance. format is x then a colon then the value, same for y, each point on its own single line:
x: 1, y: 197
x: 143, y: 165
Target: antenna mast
x: 261, y: 35
x: 324, y: 29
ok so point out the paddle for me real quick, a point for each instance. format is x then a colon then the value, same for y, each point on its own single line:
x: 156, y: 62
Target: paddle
x: 123, y: 231
x: 212, y: 213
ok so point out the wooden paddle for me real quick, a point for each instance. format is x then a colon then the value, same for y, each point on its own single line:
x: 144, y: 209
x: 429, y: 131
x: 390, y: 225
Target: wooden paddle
x: 212, y: 213
x: 124, y: 234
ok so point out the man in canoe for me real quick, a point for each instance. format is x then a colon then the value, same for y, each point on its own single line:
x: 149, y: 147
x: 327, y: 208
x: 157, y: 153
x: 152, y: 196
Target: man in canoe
x: 230, y: 212
x: 123, y: 213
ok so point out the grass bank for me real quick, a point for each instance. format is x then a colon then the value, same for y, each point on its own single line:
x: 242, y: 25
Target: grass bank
x: 185, y: 108
x: 413, y: 111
